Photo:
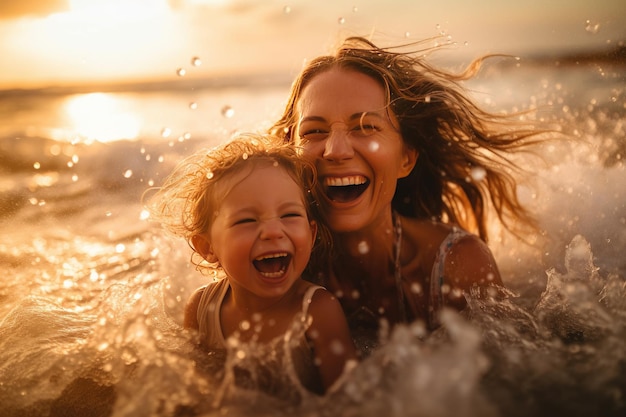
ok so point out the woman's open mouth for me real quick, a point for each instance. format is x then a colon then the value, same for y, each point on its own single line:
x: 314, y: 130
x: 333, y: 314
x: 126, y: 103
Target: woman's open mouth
x: 345, y: 189
x: 273, y: 265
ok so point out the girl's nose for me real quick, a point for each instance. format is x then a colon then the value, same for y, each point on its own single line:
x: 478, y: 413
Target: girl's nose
x: 271, y: 229
x: 338, y: 146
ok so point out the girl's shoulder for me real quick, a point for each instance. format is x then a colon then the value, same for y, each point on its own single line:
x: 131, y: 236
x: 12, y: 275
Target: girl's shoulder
x: 315, y: 298
x: 193, y: 303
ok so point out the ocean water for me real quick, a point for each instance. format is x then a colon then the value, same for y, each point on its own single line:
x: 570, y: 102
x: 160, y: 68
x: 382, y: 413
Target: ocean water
x: 92, y: 292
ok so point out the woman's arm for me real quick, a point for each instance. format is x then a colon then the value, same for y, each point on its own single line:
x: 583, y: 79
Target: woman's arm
x: 330, y: 335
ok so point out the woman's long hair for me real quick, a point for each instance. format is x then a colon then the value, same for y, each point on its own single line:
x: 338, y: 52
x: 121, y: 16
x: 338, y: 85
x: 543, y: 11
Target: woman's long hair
x: 463, y: 164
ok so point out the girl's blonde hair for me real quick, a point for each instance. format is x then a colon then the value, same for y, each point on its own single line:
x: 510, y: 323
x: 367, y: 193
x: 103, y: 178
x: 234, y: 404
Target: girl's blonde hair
x: 187, y: 202
x: 453, y: 136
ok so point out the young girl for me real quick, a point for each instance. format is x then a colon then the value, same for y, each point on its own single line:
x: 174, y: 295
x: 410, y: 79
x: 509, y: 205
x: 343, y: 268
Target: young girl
x: 245, y: 207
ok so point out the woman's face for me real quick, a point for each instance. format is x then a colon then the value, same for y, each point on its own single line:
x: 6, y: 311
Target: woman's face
x: 346, y: 128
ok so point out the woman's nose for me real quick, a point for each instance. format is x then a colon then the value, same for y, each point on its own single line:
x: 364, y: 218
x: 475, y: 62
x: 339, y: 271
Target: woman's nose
x: 338, y: 146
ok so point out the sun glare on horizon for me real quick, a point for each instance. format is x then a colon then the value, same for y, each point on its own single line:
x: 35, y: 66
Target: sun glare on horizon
x: 101, y: 117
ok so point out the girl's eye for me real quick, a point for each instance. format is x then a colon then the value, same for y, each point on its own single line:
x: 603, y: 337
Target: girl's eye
x: 244, y: 221
x: 294, y: 214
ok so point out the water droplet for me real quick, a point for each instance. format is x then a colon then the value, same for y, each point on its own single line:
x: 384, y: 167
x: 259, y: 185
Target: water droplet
x: 120, y: 248
x: 355, y: 9
x: 209, y: 175
x: 337, y: 347
x: 416, y: 288
x: 244, y: 325
x: 166, y: 132
x: 407, y: 34
x: 196, y: 61
x: 181, y: 72
x: 287, y: 9
x: 36, y: 165
x: 128, y: 173
x: 341, y: 20
x: 592, y: 27
x: 193, y: 105
x: 363, y: 247
x: 244, y: 156
x: 427, y: 99
x: 228, y: 111
x: 478, y: 173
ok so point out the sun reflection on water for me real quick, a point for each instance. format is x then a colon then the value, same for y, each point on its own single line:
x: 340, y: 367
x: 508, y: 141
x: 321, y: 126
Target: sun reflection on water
x: 101, y: 117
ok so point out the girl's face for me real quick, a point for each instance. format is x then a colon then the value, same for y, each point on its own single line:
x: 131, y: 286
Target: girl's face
x: 345, y: 126
x: 262, y: 236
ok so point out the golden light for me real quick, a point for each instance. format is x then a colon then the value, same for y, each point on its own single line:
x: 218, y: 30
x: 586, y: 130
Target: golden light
x: 118, y: 8
x: 101, y: 117
x: 99, y: 40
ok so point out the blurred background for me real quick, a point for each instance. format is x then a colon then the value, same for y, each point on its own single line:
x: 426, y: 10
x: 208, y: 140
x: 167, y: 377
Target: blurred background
x: 67, y: 42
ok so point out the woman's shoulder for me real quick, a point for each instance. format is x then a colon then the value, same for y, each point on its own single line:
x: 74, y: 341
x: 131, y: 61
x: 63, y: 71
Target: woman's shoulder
x: 433, y: 234
x: 428, y: 239
x: 464, y: 255
x: 424, y: 237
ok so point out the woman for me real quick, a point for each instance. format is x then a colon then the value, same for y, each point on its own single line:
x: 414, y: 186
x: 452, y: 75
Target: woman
x: 406, y: 163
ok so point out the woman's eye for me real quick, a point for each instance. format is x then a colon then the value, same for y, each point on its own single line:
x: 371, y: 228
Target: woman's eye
x: 366, y: 129
x: 314, y: 134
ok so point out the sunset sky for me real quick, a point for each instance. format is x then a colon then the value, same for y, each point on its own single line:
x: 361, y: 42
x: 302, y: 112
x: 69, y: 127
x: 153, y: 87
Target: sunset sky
x: 52, y: 42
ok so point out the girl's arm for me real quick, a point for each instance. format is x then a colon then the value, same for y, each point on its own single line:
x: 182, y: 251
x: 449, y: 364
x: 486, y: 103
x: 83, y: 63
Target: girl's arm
x: 329, y: 333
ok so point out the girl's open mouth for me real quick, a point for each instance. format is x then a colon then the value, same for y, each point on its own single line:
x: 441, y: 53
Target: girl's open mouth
x: 272, y: 266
